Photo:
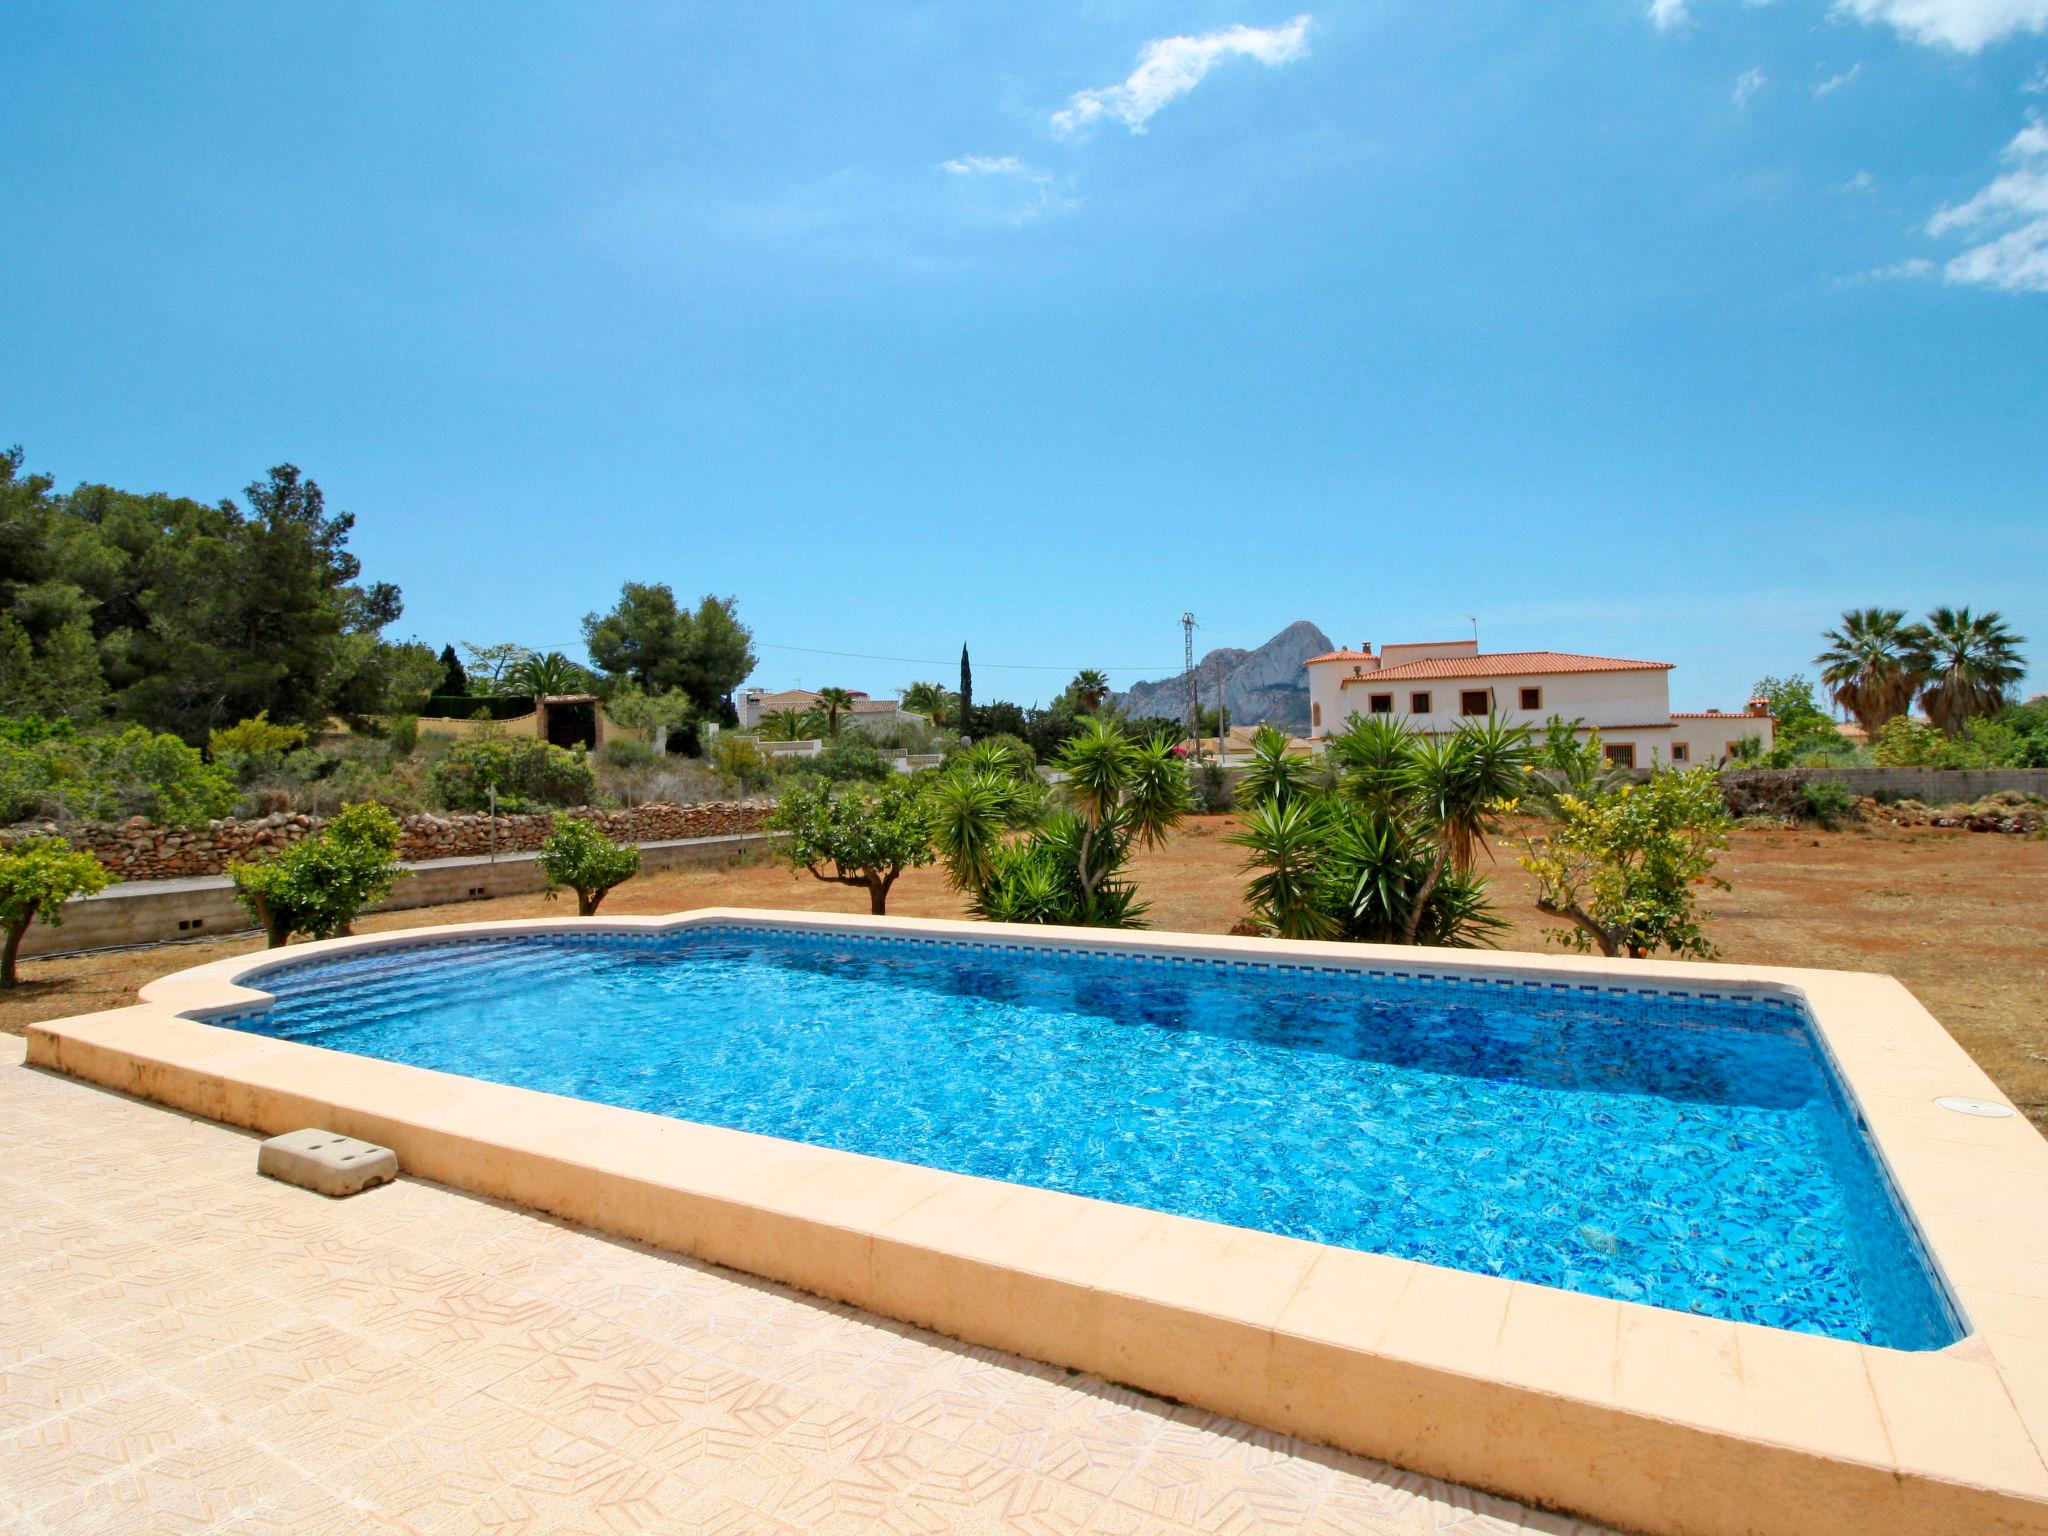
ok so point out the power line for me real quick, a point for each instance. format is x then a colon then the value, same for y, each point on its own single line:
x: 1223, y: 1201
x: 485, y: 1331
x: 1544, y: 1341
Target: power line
x: 1164, y: 669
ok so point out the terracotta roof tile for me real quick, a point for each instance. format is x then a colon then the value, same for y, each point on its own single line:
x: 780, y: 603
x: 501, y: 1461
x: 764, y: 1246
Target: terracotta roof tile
x: 1339, y: 656
x: 1507, y: 664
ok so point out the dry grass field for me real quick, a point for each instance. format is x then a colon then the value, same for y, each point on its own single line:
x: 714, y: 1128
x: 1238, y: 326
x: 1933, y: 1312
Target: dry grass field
x: 1960, y: 918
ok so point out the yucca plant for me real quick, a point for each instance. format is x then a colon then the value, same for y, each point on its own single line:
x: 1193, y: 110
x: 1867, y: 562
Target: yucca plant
x: 1291, y: 891
x: 999, y: 843
x: 1328, y: 869
x: 1276, y: 772
x: 1563, y: 765
x: 1371, y: 756
x: 1455, y: 788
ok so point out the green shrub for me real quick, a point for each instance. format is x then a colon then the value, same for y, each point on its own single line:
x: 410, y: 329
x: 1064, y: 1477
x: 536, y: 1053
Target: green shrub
x: 848, y: 758
x: 37, y: 877
x: 34, y: 730
x: 1827, y: 802
x: 744, y: 762
x: 256, y: 737
x: 626, y: 753
x: 1907, y: 743
x: 255, y: 749
x: 526, y: 773
x: 128, y: 773
x: 577, y: 854
x: 319, y: 886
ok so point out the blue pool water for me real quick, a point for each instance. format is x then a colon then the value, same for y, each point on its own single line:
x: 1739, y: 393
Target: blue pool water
x: 1686, y: 1152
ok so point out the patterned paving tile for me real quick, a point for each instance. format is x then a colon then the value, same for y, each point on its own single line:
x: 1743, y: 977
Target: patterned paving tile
x: 185, y: 1347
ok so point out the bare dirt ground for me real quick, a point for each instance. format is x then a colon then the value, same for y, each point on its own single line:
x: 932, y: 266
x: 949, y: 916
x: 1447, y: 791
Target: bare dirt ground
x: 1961, y: 918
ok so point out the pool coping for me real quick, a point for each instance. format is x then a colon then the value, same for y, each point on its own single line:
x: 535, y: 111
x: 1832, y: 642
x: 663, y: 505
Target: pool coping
x: 1629, y: 1414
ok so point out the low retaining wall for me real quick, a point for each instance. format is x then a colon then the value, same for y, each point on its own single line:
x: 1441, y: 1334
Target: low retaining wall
x: 1936, y: 786
x: 157, y: 912
x: 136, y: 849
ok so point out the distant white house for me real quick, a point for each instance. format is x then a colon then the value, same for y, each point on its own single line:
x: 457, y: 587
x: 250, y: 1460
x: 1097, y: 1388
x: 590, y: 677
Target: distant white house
x: 1437, y: 686
x: 757, y: 704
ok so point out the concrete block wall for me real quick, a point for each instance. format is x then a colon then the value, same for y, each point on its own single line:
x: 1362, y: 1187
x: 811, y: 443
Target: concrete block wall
x: 157, y: 911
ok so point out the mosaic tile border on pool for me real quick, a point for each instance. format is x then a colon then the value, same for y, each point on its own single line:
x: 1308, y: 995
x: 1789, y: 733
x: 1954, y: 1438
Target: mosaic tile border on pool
x: 1128, y: 948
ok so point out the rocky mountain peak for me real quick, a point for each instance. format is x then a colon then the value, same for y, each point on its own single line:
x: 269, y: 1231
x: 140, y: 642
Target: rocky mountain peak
x: 1267, y: 684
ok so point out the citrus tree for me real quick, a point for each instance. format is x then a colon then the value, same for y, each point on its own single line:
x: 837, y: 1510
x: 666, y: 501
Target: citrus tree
x: 37, y: 876
x: 578, y: 855
x: 1624, y: 867
x: 862, y: 835
x: 319, y: 886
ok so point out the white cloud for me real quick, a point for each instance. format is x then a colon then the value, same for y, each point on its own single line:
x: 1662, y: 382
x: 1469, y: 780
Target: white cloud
x: 1170, y: 67
x: 1001, y: 189
x: 1917, y: 266
x: 1965, y: 25
x: 1834, y: 83
x: 1666, y: 14
x: 2037, y: 82
x: 1747, y: 84
x: 2013, y: 210
x: 1862, y: 181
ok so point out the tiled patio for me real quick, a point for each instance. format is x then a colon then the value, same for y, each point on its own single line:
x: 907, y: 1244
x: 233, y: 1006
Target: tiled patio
x: 187, y: 1347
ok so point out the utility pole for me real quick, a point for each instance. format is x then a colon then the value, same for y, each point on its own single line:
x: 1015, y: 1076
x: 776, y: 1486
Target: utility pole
x: 1221, y: 723
x: 1194, y: 704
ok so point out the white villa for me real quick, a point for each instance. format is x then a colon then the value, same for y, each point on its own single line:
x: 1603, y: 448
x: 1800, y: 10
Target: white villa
x: 1438, y: 685
x: 757, y: 704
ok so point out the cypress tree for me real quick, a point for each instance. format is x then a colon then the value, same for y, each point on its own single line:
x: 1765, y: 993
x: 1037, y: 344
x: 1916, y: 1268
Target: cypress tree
x: 453, y: 679
x: 966, y: 694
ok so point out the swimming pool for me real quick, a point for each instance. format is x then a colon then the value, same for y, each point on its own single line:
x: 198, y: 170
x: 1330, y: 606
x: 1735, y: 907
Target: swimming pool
x: 1690, y: 1152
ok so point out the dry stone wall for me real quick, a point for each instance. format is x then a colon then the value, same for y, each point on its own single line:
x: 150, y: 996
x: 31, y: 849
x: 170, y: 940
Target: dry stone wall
x: 137, y: 850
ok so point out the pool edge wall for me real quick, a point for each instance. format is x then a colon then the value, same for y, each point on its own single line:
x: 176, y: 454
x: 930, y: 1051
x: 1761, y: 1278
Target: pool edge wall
x: 1640, y: 1417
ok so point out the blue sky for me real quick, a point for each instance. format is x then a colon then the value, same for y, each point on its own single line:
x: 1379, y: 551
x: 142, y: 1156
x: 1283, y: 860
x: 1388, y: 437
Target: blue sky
x: 1660, y: 330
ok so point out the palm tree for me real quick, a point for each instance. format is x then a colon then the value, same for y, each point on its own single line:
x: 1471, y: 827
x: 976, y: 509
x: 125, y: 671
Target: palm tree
x: 790, y: 725
x: 1967, y: 663
x: 1089, y: 688
x: 1456, y: 786
x: 1868, y: 666
x: 932, y: 700
x: 546, y: 676
x: 835, y: 702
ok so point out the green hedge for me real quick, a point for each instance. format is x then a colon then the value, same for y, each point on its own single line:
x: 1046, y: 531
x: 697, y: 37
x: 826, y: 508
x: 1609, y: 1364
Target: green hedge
x: 464, y: 706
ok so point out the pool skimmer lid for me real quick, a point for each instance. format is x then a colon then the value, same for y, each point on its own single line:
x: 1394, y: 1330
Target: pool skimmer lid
x: 1984, y: 1109
x: 327, y: 1162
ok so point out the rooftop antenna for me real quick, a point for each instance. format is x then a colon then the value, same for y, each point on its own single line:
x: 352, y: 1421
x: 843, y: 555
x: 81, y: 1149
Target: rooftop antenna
x: 1187, y: 634
x: 1473, y: 620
